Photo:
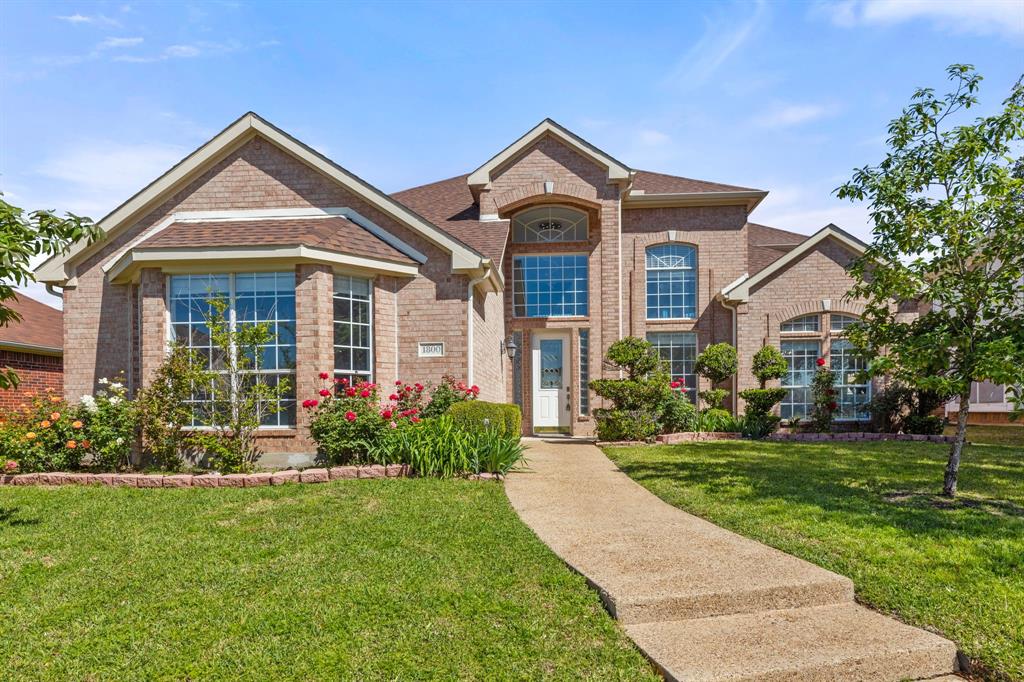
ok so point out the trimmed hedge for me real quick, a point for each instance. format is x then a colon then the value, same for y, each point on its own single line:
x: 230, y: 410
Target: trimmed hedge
x: 504, y: 418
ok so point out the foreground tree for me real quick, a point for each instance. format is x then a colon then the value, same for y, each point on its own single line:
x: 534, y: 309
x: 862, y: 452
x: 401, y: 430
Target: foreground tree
x: 22, y: 238
x: 948, y: 231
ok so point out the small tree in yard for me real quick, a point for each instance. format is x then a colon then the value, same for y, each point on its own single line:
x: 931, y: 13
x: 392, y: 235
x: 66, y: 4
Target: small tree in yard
x: 823, y: 395
x: 239, y: 397
x: 768, y: 364
x: 948, y: 216
x: 638, y: 399
x: 716, y: 363
x: 22, y: 238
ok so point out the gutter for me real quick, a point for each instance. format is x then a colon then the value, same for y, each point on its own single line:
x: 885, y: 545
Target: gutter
x: 31, y: 348
x: 53, y: 292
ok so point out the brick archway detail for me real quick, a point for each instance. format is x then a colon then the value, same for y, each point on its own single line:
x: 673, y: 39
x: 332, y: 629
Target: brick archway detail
x: 562, y: 192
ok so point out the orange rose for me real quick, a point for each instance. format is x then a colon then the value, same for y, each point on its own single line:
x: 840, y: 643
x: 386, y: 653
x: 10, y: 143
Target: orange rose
x: 76, y: 424
x: 45, y: 423
x: 72, y: 445
x: 54, y: 398
x: 30, y: 435
x: 55, y: 416
x: 85, y: 444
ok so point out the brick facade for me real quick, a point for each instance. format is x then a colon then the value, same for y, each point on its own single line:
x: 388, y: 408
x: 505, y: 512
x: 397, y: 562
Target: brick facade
x: 37, y: 374
x: 111, y: 328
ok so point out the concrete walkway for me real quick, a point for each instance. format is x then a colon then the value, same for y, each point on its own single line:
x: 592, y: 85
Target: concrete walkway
x: 702, y: 602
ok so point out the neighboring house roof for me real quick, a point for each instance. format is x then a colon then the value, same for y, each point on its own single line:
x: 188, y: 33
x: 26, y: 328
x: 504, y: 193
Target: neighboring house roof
x: 739, y: 291
x: 40, y: 329
x: 334, y: 233
x: 766, y: 244
x: 649, y: 182
x: 449, y: 205
x: 250, y: 125
x: 617, y: 171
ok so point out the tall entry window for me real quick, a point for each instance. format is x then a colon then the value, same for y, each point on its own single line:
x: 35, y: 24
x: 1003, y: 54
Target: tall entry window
x: 671, y: 282
x: 353, y: 342
x: 550, y: 286
x: 260, y: 297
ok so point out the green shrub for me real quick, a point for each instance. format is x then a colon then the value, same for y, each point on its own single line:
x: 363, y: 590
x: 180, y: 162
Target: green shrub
x: 679, y: 415
x: 768, y: 364
x: 761, y: 401
x: 439, y: 447
x: 347, y: 425
x: 639, y: 399
x: 109, y: 420
x: 164, y: 410
x: 758, y: 425
x: 891, y: 407
x: 929, y: 424
x: 480, y: 415
x: 718, y: 420
x: 449, y: 392
x: 716, y: 363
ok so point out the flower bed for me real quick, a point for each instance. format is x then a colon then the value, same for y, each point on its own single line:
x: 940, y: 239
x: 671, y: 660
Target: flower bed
x: 253, y: 480
x: 860, y: 435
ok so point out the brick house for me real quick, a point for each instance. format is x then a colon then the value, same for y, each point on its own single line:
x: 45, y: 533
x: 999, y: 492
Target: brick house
x: 552, y: 246
x: 32, y: 347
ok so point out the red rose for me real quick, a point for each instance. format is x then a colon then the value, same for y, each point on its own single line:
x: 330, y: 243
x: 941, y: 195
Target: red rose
x: 408, y: 389
x: 325, y: 375
x: 475, y: 389
x: 675, y: 384
x: 393, y: 396
x: 365, y: 393
x: 324, y: 392
x: 350, y: 391
x: 386, y: 414
x: 350, y: 416
x: 314, y: 402
x: 832, y: 406
x: 821, y: 362
x: 419, y: 387
x: 398, y: 382
x: 344, y: 382
x: 415, y: 420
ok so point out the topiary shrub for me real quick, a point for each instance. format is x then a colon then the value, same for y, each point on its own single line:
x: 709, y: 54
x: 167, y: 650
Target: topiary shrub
x: 769, y: 363
x: 929, y: 424
x: 638, y: 400
x: 680, y: 414
x: 716, y: 363
x: 479, y: 415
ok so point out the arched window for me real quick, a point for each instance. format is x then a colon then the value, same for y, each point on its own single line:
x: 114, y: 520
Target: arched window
x: 671, y: 282
x: 547, y: 224
x: 804, y: 339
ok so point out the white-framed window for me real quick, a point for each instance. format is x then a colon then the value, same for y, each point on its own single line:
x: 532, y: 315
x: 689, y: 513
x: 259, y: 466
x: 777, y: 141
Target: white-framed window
x: 679, y: 351
x: 852, y: 393
x: 252, y: 298
x: 549, y: 224
x: 353, y: 329
x: 839, y: 322
x: 584, y: 373
x: 801, y: 358
x: 671, y: 282
x: 804, y: 324
x: 553, y: 285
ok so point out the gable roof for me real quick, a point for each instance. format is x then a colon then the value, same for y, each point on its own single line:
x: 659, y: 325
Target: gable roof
x: 40, y: 329
x: 739, y: 291
x: 60, y: 268
x: 449, y: 204
x: 617, y: 171
x: 649, y: 182
x: 767, y: 244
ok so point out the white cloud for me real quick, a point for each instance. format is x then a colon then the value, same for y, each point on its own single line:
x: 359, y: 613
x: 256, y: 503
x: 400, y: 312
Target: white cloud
x: 116, y: 43
x: 653, y: 137
x: 786, y: 115
x: 801, y: 209
x: 184, y: 51
x: 97, y: 20
x: 721, y: 39
x: 979, y: 17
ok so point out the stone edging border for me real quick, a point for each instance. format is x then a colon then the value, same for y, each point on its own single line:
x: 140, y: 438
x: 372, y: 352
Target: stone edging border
x: 681, y: 437
x: 262, y: 478
x: 859, y: 435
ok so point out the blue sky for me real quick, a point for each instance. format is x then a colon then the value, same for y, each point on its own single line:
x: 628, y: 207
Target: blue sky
x: 98, y: 99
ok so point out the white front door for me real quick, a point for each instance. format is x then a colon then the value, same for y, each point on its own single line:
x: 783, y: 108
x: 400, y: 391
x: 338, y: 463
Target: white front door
x: 551, y: 381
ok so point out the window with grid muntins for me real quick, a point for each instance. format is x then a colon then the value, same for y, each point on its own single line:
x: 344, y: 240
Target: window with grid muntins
x: 584, y: 372
x: 252, y: 298
x: 852, y: 394
x: 550, y: 286
x: 679, y: 351
x: 671, y: 282
x: 549, y: 224
x: 806, y: 323
x: 801, y: 356
x: 839, y: 323
x: 353, y: 322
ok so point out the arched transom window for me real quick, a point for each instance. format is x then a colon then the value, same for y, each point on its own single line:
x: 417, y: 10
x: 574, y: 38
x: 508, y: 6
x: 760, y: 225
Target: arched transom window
x: 671, y: 282
x: 547, y: 224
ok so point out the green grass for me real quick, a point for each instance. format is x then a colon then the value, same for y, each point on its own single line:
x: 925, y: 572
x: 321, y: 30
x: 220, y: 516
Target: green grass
x: 870, y: 511
x: 410, y: 579
x: 992, y: 434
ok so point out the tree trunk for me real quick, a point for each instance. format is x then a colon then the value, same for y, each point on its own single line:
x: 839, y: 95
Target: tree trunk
x: 953, y: 465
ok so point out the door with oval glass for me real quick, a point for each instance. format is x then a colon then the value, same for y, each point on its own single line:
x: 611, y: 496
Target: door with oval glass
x: 551, y: 382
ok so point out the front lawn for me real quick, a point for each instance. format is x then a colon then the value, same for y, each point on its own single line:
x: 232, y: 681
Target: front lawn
x: 992, y: 434
x: 379, y: 579
x: 869, y: 511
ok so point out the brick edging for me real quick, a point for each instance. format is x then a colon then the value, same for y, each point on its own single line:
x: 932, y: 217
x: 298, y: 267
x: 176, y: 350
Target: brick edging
x: 263, y: 478
x: 859, y: 435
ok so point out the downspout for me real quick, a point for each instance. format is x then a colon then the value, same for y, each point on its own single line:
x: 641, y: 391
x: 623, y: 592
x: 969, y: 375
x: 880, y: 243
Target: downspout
x: 736, y: 343
x: 53, y: 292
x: 469, y: 321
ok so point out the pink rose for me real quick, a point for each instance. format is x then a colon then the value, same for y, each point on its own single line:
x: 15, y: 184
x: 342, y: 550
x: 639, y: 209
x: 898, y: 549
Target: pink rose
x: 393, y: 425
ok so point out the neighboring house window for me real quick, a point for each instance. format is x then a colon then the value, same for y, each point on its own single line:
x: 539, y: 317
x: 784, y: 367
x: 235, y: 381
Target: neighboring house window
x: 807, y: 323
x: 679, y: 351
x: 671, y: 282
x: 547, y: 224
x: 584, y: 372
x: 801, y: 356
x: 262, y: 297
x: 353, y: 343
x: 550, y: 286
x: 839, y: 323
x: 852, y: 394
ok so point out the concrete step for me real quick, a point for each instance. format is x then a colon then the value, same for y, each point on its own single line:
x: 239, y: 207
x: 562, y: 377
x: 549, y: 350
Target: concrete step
x: 836, y: 642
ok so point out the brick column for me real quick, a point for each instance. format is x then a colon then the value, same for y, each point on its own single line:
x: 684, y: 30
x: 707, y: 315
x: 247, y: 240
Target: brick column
x: 153, y: 332
x: 314, y: 333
